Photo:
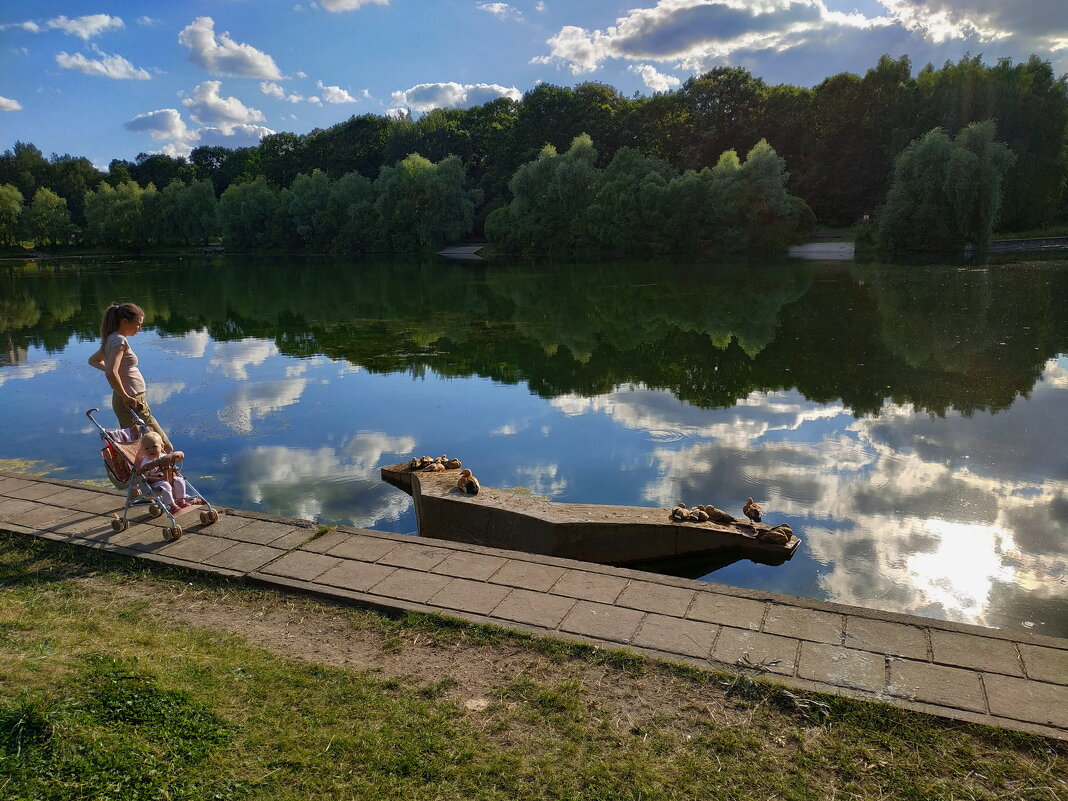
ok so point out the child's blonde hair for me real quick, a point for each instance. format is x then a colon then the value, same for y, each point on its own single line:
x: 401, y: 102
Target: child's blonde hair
x: 151, y: 438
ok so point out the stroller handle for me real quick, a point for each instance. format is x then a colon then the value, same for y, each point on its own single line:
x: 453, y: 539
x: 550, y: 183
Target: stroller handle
x: 136, y: 418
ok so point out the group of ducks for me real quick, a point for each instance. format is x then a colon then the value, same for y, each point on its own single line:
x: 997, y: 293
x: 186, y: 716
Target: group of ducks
x: 779, y: 534
x: 465, y: 483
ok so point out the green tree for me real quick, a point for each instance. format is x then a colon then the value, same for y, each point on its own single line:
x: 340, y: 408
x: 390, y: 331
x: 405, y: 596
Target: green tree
x: 11, y: 203
x: 246, y: 213
x: 620, y: 218
x: 47, y: 220
x: 188, y: 213
x: 424, y: 205
x: 351, y: 212
x: 305, y: 203
x: 945, y: 193
x: 281, y: 157
x: 550, y: 196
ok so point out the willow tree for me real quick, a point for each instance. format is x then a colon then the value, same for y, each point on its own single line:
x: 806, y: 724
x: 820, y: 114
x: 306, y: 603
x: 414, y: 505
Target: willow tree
x: 47, y: 220
x: 11, y: 202
x: 247, y: 211
x: 945, y: 193
x: 550, y: 196
x: 423, y: 205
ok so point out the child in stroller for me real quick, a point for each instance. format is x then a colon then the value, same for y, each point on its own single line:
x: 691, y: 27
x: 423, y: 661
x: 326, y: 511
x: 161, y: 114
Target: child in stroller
x: 160, y: 470
x: 134, y: 462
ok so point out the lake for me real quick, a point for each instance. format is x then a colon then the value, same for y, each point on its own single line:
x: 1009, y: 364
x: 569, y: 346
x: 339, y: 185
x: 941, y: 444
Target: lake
x: 909, y: 422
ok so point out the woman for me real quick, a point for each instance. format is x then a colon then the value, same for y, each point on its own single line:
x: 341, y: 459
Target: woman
x: 119, y: 363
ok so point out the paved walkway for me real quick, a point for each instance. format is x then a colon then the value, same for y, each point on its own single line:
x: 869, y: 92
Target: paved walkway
x: 1009, y: 679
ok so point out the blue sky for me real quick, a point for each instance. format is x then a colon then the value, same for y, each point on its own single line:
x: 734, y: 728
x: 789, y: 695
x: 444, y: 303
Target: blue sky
x: 116, y: 78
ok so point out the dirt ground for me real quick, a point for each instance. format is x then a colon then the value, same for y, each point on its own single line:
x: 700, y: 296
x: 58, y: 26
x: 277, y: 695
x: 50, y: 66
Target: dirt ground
x: 307, y: 630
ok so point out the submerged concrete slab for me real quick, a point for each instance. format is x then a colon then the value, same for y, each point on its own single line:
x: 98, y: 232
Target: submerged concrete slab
x: 611, y: 535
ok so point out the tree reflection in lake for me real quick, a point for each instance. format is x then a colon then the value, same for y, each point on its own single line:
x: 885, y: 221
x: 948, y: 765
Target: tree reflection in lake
x: 907, y: 421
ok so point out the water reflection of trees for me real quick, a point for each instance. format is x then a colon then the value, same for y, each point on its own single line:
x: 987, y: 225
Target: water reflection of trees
x: 938, y: 338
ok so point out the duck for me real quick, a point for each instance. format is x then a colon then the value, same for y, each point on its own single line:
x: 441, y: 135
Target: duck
x: 718, y: 515
x: 434, y: 467
x: 467, y: 482
x: 680, y: 513
x: 752, y: 510
x: 452, y: 464
x: 779, y: 535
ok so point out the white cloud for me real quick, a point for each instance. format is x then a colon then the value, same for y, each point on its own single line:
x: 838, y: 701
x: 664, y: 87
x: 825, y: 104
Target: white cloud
x: 208, y: 108
x: 335, y: 94
x: 164, y: 123
x: 541, y: 479
x: 339, y: 484
x: 222, y: 55
x: 337, y: 6
x: 254, y: 401
x: 9, y: 104
x: 149, y: 22
x: 500, y: 10
x: 30, y: 26
x: 85, y: 27
x: 426, y: 96
x: 655, y: 80
x: 106, y: 66
x: 694, y: 31
x: 31, y: 370
x: 235, y: 357
x: 191, y: 345
x: 274, y: 90
x: 941, y: 21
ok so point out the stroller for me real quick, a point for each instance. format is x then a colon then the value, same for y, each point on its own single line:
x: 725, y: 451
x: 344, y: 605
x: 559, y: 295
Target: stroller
x: 120, y: 458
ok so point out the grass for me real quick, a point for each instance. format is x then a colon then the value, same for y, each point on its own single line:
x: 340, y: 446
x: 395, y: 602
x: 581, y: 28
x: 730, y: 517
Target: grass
x: 103, y: 696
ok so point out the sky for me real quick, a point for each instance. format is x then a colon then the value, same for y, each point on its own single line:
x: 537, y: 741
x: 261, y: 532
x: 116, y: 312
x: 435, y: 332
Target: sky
x: 115, y: 78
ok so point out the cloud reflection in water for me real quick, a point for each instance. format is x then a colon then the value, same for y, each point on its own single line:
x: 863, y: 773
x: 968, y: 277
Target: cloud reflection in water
x: 337, y: 484
x: 902, y: 511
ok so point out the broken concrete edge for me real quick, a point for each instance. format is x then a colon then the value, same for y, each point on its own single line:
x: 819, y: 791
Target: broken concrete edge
x: 607, y: 534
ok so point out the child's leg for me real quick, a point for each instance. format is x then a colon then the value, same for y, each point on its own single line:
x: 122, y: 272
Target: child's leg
x: 178, y: 485
x: 163, y: 489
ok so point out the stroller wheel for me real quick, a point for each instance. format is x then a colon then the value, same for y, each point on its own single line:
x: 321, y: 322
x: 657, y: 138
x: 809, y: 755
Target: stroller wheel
x: 154, y: 510
x: 176, y: 532
x: 208, y: 518
x: 119, y: 524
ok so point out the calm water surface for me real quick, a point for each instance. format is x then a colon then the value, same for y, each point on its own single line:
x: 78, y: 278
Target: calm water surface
x: 909, y: 423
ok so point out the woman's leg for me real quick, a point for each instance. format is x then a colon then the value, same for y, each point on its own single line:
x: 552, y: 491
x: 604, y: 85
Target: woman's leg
x: 122, y: 411
x: 145, y: 414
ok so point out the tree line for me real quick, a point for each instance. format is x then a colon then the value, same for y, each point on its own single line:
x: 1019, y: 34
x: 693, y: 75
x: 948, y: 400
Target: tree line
x: 839, y: 139
x: 711, y: 342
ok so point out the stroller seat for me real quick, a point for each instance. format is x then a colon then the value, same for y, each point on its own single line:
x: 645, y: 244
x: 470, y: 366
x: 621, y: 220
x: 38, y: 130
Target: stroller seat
x: 119, y: 454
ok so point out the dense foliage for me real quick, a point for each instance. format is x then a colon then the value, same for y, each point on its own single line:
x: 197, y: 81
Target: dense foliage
x: 946, y: 193
x: 839, y: 141
x: 563, y: 203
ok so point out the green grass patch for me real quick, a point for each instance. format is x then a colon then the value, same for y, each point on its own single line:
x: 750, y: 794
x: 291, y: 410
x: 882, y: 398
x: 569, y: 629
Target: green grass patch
x: 102, y: 698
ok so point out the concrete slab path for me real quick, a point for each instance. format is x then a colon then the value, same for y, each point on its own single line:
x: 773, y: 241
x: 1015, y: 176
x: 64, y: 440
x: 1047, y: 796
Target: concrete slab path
x: 1009, y: 679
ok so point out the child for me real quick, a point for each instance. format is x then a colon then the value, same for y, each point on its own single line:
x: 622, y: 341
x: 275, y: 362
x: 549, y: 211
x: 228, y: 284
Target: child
x: 161, y: 472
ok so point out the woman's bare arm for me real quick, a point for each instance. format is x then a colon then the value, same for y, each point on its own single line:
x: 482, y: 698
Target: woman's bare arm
x: 112, y: 358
